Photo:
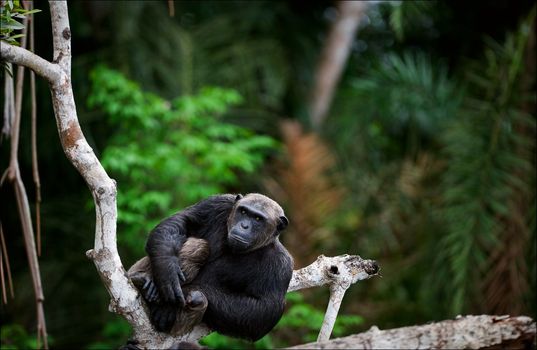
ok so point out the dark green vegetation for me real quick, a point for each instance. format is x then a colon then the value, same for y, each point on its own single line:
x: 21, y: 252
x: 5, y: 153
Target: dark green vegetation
x: 426, y: 162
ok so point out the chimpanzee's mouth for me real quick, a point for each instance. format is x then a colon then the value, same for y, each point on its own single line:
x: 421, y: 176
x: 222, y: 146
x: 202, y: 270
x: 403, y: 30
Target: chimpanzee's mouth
x: 237, y: 242
x: 238, y: 239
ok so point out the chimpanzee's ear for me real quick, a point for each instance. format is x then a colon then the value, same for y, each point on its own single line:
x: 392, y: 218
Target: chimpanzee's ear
x: 239, y: 197
x: 283, y: 223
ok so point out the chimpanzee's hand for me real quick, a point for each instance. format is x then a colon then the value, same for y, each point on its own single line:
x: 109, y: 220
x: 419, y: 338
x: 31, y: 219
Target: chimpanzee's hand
x: 149, y: 291
x: 168, y: 277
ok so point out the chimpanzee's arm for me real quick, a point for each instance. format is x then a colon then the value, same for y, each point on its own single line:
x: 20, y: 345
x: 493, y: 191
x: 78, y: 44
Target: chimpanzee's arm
x: 166, y: 240
x: 163, y: 246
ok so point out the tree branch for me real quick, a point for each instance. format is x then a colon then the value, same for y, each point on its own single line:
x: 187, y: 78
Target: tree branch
x: 125, y: 298
x: 339, y: 273
x: 469, y: 332
x: 23, y: 57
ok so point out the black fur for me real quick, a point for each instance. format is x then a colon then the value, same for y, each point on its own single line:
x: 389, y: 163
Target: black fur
x: 246, y: 274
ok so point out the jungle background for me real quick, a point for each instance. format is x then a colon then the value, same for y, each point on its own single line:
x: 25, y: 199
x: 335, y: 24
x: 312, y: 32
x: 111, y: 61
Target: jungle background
x: 425, y: 162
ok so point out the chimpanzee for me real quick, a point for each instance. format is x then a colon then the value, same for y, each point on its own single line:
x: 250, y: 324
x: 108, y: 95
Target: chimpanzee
x: 220, y: 262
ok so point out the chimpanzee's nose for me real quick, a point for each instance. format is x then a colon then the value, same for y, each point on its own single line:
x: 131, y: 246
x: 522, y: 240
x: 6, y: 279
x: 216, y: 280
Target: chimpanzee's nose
x: 244, y: 225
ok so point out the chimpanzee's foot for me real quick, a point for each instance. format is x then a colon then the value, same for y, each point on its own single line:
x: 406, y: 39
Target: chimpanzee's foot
x: 196, y: 300
x: 192, y: 314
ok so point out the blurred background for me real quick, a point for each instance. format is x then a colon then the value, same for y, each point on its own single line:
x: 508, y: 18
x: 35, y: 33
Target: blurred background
x: 424, y: 159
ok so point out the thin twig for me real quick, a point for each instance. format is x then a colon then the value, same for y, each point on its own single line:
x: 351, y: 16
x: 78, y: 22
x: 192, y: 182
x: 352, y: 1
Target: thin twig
x: 6, y: 261
x: 27, y: 230
x: 171, y: 8
x: 9, y: 111
x: 2, y: 279
x: 35, y: 166
x: 21, y: 196
x: 9, y: 103
x: 15, y: 131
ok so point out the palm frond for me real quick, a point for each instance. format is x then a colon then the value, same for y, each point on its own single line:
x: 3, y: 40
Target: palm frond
x: 487, y: 184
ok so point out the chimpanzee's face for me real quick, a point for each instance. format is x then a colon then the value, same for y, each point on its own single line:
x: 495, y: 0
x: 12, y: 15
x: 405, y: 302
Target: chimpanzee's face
x: 255, y: 222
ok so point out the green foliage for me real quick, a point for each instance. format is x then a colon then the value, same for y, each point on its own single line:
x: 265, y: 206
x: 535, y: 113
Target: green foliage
x: 300, y: 324
x: 386, y: 120
x: 407, y: 15
x: 485, y: 168
x: 306, y: 320
x: 167, y: 155
x: 15, y: 337
x: 256, y: 65
x: 407, y: 94
x: 11, y: 12
x: 245, y: 46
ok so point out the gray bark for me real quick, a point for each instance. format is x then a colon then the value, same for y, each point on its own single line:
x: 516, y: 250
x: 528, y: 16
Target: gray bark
x: 468, y: 332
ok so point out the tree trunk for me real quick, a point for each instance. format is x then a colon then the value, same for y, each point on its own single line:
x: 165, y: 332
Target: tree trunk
x: 333, y: 58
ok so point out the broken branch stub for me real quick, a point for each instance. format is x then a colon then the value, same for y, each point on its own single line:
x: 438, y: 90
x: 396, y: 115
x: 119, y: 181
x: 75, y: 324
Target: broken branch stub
x: 343, y: 270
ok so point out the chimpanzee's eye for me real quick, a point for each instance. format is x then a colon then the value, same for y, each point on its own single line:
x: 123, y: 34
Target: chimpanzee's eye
x: 257, y: 218
x: 243, y: 211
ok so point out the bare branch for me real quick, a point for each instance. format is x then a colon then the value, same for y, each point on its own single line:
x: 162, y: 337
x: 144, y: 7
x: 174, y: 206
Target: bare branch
x: 9, y: 104
x: 125, y: 298
x: 339, y: 273
x: 2, y: 279
x: 35, y: 167
x: 6, y: 261
x: 15, y: 131
x: 469, y: 332
x: 26, y: 220
x: 341, y: 269
x: 171, y: 8
x: 23, y: 57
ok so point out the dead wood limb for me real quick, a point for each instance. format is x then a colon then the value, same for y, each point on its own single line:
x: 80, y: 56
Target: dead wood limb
x: 468, y: 332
